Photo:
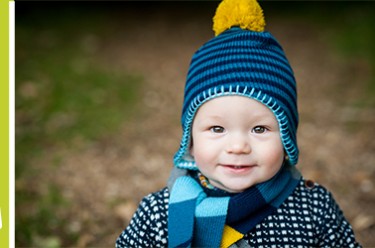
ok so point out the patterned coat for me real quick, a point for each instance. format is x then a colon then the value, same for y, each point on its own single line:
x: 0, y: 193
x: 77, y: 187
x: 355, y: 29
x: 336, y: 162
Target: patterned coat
x: 309, y: 217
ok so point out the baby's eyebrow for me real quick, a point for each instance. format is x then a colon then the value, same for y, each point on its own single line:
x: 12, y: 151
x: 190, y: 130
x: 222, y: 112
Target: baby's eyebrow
x: 262, y: 116
x: 216, y: 117
x: 212, y: 117
x: 209, y: 120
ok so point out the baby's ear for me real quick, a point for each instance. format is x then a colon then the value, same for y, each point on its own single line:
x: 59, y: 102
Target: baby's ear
x: 191, y: 149
x: 286, y: 157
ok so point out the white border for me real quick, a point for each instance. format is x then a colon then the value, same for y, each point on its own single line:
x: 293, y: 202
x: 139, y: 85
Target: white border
x: 11, y: 124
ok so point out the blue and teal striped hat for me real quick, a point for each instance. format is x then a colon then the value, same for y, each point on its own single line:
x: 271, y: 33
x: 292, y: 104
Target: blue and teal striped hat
x: 242, y: 59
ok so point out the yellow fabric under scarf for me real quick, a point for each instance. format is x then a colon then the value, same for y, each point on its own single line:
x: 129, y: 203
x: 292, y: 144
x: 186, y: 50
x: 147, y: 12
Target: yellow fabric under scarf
x: 230, y: 236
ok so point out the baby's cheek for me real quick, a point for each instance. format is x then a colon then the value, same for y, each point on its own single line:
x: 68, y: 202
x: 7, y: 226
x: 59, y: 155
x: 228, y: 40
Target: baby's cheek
x: 275, y: 159
x: 201, y: 158
x: 204, y: 156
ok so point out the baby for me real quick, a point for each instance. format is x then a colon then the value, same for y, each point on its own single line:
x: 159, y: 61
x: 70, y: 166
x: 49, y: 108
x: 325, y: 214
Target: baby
x: 235, y: 183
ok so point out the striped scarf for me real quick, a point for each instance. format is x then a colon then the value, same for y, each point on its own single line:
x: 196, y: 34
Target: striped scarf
x: 198, y: 220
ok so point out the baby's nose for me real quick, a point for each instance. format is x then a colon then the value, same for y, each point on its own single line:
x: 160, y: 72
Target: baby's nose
x: 239, y: 145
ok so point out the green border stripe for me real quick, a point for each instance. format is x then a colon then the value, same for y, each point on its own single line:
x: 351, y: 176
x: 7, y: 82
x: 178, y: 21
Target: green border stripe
x: 11, y: 126
x: 4, y: 123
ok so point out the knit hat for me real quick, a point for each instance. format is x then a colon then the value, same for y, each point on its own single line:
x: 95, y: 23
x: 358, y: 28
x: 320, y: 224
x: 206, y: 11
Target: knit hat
x: 244, y: 60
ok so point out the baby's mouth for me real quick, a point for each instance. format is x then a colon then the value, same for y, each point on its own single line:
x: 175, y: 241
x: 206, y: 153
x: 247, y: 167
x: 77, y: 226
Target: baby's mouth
x: 237, y: 167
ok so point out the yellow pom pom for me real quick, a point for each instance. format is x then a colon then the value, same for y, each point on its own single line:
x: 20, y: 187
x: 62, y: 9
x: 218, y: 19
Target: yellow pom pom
x: 247, y: 14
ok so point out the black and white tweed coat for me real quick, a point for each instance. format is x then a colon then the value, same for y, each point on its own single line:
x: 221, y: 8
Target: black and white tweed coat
x: 309, y: 217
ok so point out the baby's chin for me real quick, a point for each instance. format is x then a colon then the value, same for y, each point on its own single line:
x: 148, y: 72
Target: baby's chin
x: 234, y: 186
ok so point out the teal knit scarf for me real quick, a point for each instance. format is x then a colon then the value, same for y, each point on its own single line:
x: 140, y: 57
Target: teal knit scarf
x: 195, y: 219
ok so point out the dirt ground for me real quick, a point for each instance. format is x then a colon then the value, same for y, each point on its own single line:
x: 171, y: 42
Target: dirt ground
x: 105, y: 181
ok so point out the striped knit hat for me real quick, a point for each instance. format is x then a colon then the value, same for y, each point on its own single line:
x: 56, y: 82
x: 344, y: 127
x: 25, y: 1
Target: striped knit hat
x: 242, y: 59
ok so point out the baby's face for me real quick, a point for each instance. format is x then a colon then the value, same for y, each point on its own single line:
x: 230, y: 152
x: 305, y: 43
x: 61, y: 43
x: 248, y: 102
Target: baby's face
x: 236, y: 143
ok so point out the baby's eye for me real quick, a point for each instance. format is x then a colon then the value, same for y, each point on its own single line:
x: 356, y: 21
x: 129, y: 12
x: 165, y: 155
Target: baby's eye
x: 259, y: 129
x: 217, y: 129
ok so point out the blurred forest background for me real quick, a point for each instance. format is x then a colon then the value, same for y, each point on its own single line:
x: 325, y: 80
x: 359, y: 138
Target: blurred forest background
x: 99, y: 89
